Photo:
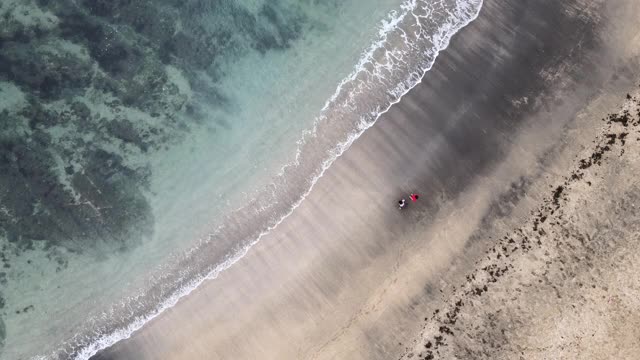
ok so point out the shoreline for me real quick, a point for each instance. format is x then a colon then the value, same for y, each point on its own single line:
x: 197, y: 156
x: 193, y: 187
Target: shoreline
x: 111, y: 339
x: 364, y: 257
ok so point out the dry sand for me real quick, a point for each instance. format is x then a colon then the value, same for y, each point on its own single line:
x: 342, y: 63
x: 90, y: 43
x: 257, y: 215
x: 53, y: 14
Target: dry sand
x: 487, y: 138
x: 563, y: 285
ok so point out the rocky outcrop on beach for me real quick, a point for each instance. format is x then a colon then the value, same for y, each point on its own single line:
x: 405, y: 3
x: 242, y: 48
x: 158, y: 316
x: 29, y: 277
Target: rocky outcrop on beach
x: 564, y: 284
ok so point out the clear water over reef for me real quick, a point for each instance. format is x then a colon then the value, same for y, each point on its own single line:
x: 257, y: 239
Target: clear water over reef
x: 145, y: 145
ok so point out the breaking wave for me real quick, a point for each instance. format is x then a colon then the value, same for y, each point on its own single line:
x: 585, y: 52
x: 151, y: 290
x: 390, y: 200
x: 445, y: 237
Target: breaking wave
x: 408, y: 42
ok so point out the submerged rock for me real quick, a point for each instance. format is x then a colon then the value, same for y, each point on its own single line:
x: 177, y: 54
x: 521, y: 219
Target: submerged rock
x: 101, y: 201
x: 104, y: 85
x: 3, y: 334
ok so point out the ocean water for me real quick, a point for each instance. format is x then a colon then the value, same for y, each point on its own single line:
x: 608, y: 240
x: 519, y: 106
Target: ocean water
x: 146, y: 146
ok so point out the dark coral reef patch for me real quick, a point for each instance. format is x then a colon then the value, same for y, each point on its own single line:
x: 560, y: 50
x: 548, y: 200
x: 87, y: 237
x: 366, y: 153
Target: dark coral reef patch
x: 68, y: 168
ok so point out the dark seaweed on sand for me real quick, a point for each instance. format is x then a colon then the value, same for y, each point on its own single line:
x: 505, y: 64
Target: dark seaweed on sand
x: 523, y: 240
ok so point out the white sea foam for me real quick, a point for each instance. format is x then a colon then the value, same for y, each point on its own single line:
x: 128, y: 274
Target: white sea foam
x: 379, y: 67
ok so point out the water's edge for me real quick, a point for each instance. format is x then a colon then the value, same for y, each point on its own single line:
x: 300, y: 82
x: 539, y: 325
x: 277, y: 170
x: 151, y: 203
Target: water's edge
x: 104, y: 341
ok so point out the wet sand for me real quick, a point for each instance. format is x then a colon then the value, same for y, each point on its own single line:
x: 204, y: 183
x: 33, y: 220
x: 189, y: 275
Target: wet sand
x: 486, y: 139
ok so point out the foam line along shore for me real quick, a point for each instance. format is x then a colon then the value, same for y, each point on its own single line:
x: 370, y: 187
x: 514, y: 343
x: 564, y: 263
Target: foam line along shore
x: 344, y: 275
x: 318, y: 145
x: 130, y: 147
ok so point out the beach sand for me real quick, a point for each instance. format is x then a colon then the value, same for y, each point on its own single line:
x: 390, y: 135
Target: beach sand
x: 497, y: 125
x: 563, y: 285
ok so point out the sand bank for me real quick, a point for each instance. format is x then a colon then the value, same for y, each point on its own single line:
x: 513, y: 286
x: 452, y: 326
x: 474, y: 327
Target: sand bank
x: 500, y: 118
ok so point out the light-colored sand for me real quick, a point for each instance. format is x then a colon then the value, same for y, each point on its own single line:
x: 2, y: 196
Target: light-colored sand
x: 347, y: 276
x: 563, y: 285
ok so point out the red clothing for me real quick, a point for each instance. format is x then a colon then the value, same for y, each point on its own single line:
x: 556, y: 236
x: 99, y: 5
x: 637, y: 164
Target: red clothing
x: 414, y: 197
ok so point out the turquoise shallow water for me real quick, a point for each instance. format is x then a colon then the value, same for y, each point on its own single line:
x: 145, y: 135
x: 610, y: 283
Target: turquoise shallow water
x: 144, y: 146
